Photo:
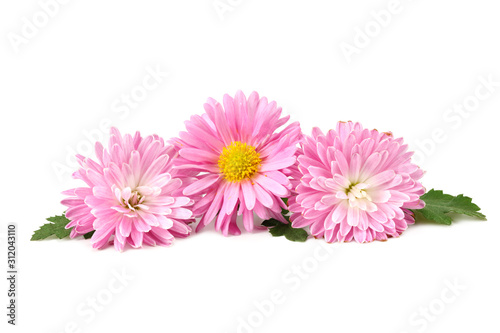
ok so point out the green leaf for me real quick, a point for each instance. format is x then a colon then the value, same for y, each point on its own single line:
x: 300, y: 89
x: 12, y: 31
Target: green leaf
x: 278, y: 228
x: 296, y: 234
x: 45, y: 231
x: 438, y: 204
x: 88, y: 234
x: 282, y: 229
x: 270, y: 223
x: 284, y: 212
x: 56, y: 227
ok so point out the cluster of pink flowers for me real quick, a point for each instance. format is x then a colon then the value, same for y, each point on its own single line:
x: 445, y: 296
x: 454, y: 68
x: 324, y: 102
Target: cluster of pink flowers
x: 241, y: 158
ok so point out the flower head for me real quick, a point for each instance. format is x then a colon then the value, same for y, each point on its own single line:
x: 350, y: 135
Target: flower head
x: 242, y: 157
x: 355, y: 184
x: 132, y: 193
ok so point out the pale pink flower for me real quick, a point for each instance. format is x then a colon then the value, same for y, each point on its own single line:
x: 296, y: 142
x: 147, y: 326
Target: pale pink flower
x: 355, y: 184
x: 242, y: 157
x: 132, y: 194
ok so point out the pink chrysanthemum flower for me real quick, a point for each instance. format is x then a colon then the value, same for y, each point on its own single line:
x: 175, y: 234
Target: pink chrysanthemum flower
x: 355, y: 184
x: 242, y: 158
x: 132, y: 193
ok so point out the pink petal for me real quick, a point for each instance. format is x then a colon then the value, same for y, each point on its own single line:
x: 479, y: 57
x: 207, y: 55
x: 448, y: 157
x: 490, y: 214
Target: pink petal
x: 262, y: 196
x: 230, y: 198
x: 248, y: 194
x: 201, y: 185
x: 277, y: 164
x: 271, y: 185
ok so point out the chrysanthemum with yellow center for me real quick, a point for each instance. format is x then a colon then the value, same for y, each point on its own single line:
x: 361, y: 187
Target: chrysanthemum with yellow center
x: 239, y: 161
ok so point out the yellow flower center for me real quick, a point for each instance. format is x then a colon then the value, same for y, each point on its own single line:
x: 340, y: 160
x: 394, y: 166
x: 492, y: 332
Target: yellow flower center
x: 239, y: 161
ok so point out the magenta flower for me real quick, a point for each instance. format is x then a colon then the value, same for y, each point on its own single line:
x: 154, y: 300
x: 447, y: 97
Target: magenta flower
x: 355, y: 184
x: 242, y: 158
x: 132, y: 193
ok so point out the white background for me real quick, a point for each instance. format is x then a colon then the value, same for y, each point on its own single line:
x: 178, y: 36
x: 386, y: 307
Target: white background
x: 69, y: 76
